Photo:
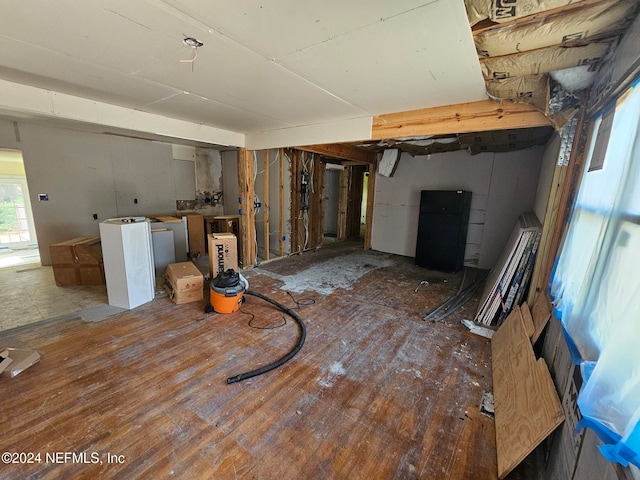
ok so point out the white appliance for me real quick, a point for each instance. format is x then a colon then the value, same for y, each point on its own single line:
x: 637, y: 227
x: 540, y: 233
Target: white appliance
x: 127, y: 252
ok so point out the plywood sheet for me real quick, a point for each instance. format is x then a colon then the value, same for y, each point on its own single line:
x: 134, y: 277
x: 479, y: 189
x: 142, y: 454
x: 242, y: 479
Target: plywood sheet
x: 527, y: 407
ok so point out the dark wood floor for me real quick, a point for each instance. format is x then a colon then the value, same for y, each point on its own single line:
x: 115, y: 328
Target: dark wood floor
x: 374, y: 393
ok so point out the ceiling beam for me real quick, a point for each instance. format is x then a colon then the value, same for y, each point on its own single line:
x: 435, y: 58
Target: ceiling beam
x: 452, y: 119
x: 345, y: 152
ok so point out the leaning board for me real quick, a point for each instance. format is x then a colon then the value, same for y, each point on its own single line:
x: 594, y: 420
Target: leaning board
x: 527, y: 407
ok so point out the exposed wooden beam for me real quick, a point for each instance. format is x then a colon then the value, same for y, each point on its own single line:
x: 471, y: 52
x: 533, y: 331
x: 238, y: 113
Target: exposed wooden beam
x: 343, y: 199
x: 265, y: 204
x: 343, y: 151
x: 281, y: 202
x: 246, y: 191
x: 462, y: 118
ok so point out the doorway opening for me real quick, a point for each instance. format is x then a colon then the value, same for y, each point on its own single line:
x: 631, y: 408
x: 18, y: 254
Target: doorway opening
x: 18, y: 243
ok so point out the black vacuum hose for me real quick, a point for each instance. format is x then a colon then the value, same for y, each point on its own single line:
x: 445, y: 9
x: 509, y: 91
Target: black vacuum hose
x: 288, y: 356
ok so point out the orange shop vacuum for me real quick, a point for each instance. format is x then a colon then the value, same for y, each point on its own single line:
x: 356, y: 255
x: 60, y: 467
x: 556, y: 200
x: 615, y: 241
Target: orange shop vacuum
x: 227, y: 291
x: 227, y: 294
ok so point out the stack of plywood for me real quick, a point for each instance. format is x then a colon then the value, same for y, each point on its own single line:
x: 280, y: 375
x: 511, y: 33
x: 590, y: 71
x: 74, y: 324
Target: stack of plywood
x: 508, y: 280
x: 526, y: 404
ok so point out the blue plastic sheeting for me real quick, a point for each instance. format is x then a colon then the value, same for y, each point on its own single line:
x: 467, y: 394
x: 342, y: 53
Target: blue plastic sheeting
x: 596, y: 281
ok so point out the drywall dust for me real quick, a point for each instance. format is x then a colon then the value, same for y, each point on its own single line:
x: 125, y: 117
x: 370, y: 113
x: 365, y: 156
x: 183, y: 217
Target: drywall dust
x: 335, y: 370
x: 339, y: 272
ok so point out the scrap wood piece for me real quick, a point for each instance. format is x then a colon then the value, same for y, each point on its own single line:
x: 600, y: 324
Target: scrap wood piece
x: 527, y: 407
x: 541, y: 314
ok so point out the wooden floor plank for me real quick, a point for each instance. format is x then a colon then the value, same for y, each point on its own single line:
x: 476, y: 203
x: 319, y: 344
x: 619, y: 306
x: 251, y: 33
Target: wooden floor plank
x: 374, y: 393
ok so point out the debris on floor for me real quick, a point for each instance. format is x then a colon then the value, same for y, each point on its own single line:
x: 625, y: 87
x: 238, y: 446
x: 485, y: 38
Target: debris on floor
x: 477, y: 329
x: 486, y: 404
x: 15, y: 360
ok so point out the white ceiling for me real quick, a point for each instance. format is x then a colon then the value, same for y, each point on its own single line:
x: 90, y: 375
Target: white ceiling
x: 265, y: 65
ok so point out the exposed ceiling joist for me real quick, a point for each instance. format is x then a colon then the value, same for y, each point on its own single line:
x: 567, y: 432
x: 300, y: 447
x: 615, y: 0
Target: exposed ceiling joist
x: 345, y: 152
x: 462, y: 118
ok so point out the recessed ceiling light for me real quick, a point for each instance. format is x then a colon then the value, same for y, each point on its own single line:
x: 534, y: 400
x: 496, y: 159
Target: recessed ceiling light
x: 192, y: 42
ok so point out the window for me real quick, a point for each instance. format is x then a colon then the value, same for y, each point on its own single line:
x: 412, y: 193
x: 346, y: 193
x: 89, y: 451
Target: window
x: 596, y: 282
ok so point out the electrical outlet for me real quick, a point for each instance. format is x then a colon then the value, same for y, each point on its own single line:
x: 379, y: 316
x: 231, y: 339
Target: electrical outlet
x: 135, y: 200
x: 43, y: 197
x: 95, y: 216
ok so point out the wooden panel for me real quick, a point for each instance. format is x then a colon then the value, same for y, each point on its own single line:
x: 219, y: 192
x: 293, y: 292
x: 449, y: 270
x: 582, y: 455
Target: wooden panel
x: 246, y: 190
x: 527, y: 407
x: 195, y: 227
x: 541, y: 315
x: 461, y: 118
x: 343, y: 151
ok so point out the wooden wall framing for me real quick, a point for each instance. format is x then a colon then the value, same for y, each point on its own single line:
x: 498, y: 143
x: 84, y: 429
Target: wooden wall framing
x: 246, y: 191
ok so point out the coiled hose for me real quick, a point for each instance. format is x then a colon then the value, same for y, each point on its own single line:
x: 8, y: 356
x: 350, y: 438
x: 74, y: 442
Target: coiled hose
x: 288, y: 356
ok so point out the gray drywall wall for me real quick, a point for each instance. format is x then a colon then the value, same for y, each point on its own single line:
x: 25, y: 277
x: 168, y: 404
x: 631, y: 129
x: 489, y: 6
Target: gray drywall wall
x: 87, y: 173
x: 547, y: 168
x: 512, y: 191
x: 142, y: 171
x: 503, y: 186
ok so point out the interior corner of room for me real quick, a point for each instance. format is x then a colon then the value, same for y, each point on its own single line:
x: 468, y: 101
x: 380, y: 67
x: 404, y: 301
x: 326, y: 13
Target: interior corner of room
x: 448, y: 229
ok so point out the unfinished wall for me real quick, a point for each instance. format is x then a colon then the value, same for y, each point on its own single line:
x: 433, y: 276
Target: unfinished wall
x: 86, y: 174
x: 503, y: 186
x: 273, y: 203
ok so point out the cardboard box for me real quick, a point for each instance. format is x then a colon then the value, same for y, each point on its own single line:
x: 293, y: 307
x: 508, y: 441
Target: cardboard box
x: 223, y: 252
x: 184, y: 283
x: 91, y: 274
x: 76, y: 250
x: 66, y: 275
x: 77, y: 262
x: 21, y: 359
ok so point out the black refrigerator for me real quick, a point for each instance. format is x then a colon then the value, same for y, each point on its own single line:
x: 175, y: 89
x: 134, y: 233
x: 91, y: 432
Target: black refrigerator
x: 442, y: 229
